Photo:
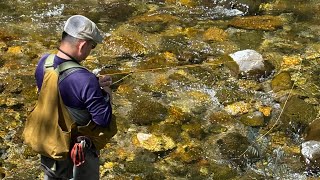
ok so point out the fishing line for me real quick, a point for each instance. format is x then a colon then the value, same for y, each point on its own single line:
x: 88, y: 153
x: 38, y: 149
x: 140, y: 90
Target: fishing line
x: 281, y: 112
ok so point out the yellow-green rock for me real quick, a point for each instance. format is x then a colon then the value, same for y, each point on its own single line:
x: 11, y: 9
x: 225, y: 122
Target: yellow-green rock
x: 253, y: 119
x: 154, y: 143
x: 281, y: 81
x: 215, y: 34
x: 265, y: 22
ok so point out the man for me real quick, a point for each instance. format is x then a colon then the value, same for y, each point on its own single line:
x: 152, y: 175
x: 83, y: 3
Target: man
x: 86, y: 96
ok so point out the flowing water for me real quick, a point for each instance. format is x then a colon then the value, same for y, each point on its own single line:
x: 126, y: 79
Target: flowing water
x: 183, y: 110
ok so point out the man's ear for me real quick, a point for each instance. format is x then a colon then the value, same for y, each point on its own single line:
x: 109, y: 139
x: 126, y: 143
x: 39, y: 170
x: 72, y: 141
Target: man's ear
x: 81, y: 45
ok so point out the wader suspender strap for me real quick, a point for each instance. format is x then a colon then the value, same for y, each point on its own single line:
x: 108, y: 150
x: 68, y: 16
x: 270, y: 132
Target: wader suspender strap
x: 63, y: 66
x: 64, y: 69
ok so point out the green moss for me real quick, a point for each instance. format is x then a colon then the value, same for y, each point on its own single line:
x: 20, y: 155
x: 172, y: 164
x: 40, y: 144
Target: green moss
x: 266, y: 22
x: 194, y: 130
x: 138, y: 167
x: 146, y: 111
x: 171, y: 130
x: 298, y: 112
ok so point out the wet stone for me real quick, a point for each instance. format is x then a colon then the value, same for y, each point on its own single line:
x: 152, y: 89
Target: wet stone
x: 142, y: 110
x: 154, y: 23
x: 174, y: 44
x: 247, y: 39
x: 154, y: 143
x: 232, y: 147
x: 138, y: 167
x: 220, y: 117
x: 117, y: 11
x: 231, y: 95
x: 298, y: 113
x: 281, y: 81
x: 266, y: 22
x: 3, y: 46
x: 194, y: 130
x: 188, y: 153
x: 215, y: 34
x: 124, y: 46
x: 13, y: 85
x: 171, y: 130
x: 253, y: 119
x: 2, y: 87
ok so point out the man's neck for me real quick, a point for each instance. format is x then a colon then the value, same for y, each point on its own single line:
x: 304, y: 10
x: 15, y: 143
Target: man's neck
x: 65, y: 55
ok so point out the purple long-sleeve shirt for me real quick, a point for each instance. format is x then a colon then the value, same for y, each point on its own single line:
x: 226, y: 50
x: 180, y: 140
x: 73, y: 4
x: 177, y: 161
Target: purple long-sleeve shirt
x: 80, y: 90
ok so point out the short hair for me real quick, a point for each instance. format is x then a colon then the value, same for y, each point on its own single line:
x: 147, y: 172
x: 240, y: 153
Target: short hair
x: 67, y: 38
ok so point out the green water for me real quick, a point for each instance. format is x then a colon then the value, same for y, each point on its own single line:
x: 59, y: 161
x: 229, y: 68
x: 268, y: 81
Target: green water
x: 204, y: 120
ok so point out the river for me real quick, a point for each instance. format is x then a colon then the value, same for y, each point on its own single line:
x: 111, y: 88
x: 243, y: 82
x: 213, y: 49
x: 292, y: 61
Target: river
x: 185, y: 107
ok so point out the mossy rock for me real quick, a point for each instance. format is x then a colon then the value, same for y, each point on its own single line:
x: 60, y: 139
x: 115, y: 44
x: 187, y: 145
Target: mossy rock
x: 220, y: 117
x: 177, y: 116
x: 157, y: 61
x: 170, y: 130
x: 124, y: 46
x: 253, y: 119
x: 154, y: 143
x: 137, y: 167
x: 117, y: 11
x: 247, y: 39
x: 265, y: 22
x: 297, y: 112
x: 221, y: 171
x: 281, y: 81
x: 175, y: 44
x: 188, y: 153
x: 194, y: 130
x: 231, y: 95
x: 233, y: 147
x: 146, y: 111
x: 215, y: 34
x: 153, y: 23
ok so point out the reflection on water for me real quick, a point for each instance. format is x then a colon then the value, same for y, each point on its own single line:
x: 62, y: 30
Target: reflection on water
x: 184, y: 108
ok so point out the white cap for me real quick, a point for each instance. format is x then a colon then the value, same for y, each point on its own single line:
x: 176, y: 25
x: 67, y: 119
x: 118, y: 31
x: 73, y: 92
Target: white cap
x: 82, y: 28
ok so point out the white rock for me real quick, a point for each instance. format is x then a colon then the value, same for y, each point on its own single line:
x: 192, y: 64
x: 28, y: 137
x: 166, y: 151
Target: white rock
x: 248, y: 60
x: 310, y: 150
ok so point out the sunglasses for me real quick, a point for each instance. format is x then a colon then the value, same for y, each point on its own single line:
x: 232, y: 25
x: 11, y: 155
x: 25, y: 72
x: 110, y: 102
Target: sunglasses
x: 93, y: 45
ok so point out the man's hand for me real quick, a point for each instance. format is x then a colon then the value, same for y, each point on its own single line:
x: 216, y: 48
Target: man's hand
x: 105, y: 82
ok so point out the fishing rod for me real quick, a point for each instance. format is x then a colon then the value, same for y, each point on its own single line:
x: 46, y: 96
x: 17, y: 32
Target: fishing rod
x: 127, y: 73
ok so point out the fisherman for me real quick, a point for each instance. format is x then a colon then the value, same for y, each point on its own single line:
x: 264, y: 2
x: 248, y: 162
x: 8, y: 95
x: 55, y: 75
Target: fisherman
x: 85, y: 96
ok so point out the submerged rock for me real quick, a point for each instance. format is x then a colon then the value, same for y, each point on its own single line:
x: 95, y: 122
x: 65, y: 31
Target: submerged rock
x: 124, y: 46
x: 154, y: 143
x: 188, y: 153
x: 117, y: 10
x: 266, y: 22
x: 238, y: 108
x: 234, y: 147
x: 215, y: 34
x: 297, y: 114
x: 146, y: 112
x: 253, y: 119
x: 281, y: 81
x: 154, y: 23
